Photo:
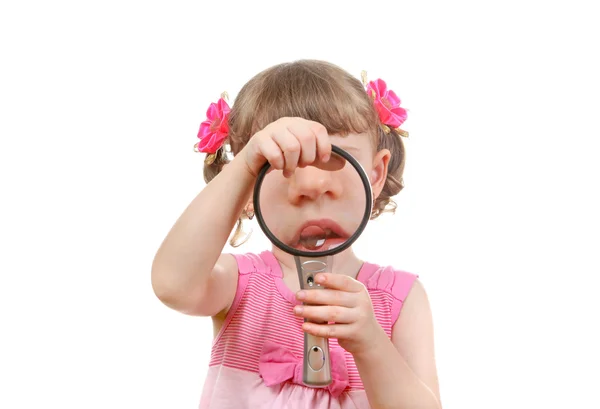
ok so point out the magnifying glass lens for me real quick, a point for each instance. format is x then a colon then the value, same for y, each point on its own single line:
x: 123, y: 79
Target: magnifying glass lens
x: 313, y: 210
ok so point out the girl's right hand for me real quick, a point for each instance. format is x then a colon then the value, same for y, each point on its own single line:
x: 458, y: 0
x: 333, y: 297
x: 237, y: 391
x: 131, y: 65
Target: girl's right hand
x: 290, y: 143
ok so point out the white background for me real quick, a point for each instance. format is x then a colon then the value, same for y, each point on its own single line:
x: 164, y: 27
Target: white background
x: 100, y: 103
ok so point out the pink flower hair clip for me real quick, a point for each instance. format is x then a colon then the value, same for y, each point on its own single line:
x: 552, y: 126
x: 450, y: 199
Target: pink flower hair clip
x: 387, y: 104
x: 214, y: 130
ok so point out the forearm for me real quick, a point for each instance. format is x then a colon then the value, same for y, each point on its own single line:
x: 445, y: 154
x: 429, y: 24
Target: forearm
x: 388, y: 380
x: 190, y: 250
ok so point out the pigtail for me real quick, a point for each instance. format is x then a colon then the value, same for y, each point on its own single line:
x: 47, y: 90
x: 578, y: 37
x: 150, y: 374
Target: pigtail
x: 214, y: 167
x: 214, y: 134
x: 391, y: 116
x: 391, y: 140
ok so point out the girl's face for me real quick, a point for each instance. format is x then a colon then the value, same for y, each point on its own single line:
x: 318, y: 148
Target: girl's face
x: 317, y: 209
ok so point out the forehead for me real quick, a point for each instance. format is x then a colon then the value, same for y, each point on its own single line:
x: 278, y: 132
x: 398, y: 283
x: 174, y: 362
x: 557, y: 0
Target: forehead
x: 358, y: 145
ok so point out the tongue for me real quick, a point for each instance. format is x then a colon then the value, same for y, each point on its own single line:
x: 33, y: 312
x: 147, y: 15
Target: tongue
x: 313, y: 237
x: 315, y: 231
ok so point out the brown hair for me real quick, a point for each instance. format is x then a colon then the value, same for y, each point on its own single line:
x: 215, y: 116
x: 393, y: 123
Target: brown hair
x: 317, y: 91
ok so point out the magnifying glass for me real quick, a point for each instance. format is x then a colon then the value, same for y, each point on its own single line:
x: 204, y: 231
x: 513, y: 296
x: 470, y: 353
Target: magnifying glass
x: 325, y: 212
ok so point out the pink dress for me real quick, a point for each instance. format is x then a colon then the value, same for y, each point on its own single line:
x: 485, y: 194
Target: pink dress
x: 256, y: 359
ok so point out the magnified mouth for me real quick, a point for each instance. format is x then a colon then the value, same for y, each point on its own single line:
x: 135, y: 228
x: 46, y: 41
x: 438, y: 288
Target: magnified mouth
x: 319, y: 235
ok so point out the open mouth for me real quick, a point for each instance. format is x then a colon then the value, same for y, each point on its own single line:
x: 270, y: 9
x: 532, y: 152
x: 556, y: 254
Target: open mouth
x: 319, y: 235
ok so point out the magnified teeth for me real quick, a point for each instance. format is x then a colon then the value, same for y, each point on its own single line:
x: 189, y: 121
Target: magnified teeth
x: 312, y: 242
x: 313, y: 237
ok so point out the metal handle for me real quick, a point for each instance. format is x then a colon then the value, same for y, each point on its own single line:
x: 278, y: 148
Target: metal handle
x: 316, y: 362
x: 317, y: 366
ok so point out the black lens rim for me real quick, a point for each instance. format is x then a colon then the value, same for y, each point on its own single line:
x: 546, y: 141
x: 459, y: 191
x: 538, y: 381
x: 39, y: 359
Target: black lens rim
x: 314, y: 254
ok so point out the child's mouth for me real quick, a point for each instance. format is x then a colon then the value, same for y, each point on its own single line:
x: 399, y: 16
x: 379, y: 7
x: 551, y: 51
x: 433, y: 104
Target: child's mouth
x: 319, y: 236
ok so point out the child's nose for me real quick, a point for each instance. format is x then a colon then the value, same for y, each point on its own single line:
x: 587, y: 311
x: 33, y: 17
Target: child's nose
x: 311, y: 183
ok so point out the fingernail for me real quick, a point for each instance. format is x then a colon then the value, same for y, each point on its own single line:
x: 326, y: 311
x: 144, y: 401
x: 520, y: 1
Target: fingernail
x: 301, y: 295
x: 326, y: 157
x: 298, y: 309
x: 320, y: 279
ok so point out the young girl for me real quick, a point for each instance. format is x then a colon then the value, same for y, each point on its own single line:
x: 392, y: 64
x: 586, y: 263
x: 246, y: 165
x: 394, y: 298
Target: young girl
x: 380, y: 325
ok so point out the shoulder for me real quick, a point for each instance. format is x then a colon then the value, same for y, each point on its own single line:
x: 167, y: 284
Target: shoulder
x: 389, y: 287
x: 252, y: 263
x: 416, y: 304
x: 397, y: 283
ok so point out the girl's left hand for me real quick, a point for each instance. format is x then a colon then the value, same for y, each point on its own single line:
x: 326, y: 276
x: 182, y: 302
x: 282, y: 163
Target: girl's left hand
x: 346, y: 303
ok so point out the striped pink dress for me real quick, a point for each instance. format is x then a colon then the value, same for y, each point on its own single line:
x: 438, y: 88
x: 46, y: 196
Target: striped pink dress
x: 256, y: 359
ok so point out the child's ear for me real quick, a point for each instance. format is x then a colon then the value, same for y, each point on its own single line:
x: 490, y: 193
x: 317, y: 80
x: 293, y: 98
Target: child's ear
x: 380, y: 170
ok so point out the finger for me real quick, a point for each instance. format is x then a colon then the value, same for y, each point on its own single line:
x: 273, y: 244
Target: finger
x: 308, y: 148
x: 322, y: 141
x: 290, y: 146
x: 327, y: 313
x: 325, y: 159
x: 328, y: 297
x: 271, y: 152
x: 316, y: 146
x: 339, y: 282
x: 339, y: 331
